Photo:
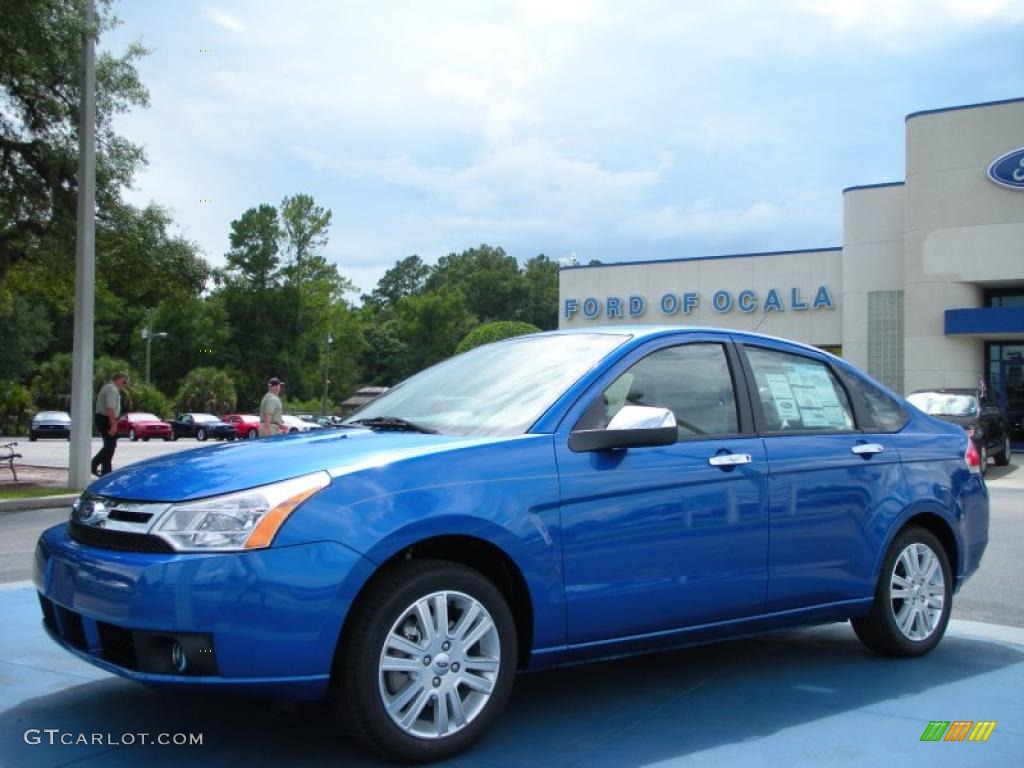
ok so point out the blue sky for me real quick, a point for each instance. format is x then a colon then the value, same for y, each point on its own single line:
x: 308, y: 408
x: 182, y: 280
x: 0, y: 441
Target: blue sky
x: 617, y: 131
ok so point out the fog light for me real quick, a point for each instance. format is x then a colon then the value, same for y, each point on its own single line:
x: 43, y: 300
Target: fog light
x: 178, y: 659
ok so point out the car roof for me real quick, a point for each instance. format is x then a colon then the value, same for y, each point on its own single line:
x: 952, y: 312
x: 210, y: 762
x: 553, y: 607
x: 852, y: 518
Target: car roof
x: 642, y: 332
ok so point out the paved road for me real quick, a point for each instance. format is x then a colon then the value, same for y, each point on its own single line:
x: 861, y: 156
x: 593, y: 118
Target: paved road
x: 54, y: 453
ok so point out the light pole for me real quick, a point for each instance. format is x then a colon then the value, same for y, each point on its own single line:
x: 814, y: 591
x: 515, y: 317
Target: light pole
x: 148, y: 335
x: 327, y: 368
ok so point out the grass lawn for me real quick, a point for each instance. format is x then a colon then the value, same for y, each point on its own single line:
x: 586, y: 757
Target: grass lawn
x: 31, y: 493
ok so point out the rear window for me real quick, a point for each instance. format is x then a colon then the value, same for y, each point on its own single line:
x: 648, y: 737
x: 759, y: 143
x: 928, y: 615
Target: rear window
x: 945, y: 403
x: 881, y: 413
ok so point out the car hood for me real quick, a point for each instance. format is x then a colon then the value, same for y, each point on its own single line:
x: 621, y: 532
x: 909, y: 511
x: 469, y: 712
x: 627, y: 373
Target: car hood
x: 218, y: 469
x: 148, y: 423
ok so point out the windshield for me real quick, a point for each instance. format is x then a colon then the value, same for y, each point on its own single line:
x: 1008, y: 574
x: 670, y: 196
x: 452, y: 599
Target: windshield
x: 142, y: 417
x: 945, y: 403
x: 203, y: 417
x: 498, y: 389
x: 53, y: 416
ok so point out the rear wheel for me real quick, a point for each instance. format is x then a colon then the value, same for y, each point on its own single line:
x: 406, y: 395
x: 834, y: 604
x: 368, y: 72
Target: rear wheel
x: 1004, y: 455
x: 32, y: 437
x: 132, y: 436
x: 429, y: 662
x: 200, y: 434
x: 252, y: 435
x: 913, y: 598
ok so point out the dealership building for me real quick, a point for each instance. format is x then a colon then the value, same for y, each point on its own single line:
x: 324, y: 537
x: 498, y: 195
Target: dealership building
x: 927, y: 289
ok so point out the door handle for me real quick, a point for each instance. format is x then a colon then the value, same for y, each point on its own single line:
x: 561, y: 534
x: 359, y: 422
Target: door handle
x: 867, y: 449
x: 730, y: 459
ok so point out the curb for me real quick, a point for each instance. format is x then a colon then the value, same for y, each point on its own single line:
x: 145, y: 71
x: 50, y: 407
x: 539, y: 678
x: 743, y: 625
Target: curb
x: 8, y: 506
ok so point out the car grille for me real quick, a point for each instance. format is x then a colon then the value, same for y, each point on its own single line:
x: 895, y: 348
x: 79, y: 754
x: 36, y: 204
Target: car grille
x: 125, y: 541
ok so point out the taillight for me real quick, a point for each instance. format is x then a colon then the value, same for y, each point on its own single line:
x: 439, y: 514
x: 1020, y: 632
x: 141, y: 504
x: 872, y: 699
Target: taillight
x: 972, y: 458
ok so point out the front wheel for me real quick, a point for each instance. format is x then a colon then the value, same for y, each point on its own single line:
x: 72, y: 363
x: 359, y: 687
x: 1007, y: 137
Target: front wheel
x: 913, y: 598
x: 429, y: 661
x: 1003, y: 458
x: 32, y: 437
x: 201, y: 435
x: 252, y: 435
x: 132, y: 436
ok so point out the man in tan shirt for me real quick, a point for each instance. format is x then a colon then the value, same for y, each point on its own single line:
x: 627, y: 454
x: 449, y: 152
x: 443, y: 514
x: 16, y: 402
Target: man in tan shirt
x: 270, y: 409
x: 107, y: 412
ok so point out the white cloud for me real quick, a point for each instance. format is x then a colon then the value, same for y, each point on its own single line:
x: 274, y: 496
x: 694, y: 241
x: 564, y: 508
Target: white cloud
x: 226, y: 20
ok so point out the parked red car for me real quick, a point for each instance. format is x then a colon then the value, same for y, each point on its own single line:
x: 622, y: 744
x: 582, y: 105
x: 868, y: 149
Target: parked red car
x: 247, y: 425
x: 143, y: 426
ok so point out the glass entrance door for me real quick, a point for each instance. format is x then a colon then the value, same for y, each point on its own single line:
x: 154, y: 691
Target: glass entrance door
x: 1006, y: 377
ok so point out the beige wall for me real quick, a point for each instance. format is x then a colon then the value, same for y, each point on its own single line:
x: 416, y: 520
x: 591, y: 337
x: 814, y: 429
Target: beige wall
x: 806, y: 271
x: 962, y: 231
x: 873, y: 232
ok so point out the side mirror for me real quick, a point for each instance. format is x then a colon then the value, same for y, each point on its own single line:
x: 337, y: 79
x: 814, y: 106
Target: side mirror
x: 634, y: 426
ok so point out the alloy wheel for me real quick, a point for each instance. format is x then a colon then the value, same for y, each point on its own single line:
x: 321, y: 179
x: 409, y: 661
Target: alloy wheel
x: 439, y: 665
x: 917, y: 591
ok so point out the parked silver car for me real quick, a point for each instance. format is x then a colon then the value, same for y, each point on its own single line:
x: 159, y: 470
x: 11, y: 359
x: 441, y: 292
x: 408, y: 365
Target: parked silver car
x: 50, y: 424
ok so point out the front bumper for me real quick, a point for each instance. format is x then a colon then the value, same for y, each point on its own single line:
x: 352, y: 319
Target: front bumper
x: 273, y: 616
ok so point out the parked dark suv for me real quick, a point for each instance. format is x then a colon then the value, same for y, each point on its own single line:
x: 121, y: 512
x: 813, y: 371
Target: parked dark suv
x: 976, y: 411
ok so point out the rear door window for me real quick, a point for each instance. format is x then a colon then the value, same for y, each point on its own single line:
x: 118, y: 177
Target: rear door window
x: 798, y: 393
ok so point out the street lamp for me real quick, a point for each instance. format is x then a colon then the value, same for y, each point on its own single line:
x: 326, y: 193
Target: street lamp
x: 148, y: 335
x: 327, y: 368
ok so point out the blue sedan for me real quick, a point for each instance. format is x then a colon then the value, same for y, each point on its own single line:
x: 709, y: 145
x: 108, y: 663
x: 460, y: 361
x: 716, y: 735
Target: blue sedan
x: 544, y: 500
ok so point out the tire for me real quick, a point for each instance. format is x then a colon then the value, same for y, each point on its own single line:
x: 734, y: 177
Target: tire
x: 292, y: 431
x: 174, y: 436
x: 168, y: 438
x: 885, y: 629
x: 386, y: 621
x: 201, y: 435
x: 1003, y: 459
x: 145, y: 439
x: 251, y: 435
x: 132, y: 436
x: 32, y: 437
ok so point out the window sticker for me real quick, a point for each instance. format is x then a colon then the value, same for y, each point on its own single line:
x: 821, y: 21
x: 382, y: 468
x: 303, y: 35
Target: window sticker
x: 816, y: 396
x: 805, y: 397
x: 782, y: 394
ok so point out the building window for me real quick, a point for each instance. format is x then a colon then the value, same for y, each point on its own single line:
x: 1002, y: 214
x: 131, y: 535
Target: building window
x: 1005, y: 297
x: 885, y: 338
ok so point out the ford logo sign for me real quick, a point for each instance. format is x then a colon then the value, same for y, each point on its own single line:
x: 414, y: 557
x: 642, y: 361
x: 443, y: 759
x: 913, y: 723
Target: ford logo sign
x: 1008, y: 170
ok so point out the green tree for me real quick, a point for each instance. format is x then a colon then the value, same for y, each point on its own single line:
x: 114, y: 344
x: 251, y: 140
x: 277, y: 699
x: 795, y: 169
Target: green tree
x: 15, y: 408
x: 488, y: 278
x: 304, y: 226
x: 540, y: 293
x: 430, y: 325
x: 41, y: 42
x: 198, y: 334
x: 491, y: 332
x: 27, y: 332
x: 208, y: 390
x: 406, y: 278
x: 253, y: 260
x: 146, y: 398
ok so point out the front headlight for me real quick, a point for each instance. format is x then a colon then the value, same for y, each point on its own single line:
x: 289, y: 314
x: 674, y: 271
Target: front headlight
x: 244, y: 520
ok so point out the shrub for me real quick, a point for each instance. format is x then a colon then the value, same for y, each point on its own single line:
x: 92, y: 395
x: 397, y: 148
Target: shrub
x: 491, y: 332
x: 207, y: 389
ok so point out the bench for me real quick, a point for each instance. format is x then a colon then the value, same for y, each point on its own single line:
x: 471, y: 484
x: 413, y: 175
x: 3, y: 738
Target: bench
x: 8, y: 455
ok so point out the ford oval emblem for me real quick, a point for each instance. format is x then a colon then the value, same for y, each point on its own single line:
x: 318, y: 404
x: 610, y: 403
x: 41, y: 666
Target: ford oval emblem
x: 1008, y: 170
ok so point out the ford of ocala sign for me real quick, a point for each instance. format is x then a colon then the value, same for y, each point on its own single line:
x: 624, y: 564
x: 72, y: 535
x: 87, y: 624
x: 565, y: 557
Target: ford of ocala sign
x: 668, y: 304
x: 1008, y: 170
